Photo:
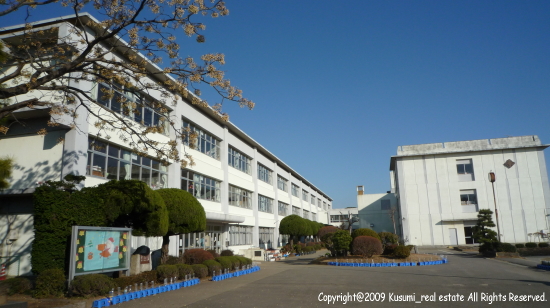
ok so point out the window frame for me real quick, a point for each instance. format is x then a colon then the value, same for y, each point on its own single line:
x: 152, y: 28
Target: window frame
x: 239, y: 160
x: 206, y: 142
x: 241, y: 195
x: 206, y: 185
x: 282, y: 183
x: 295, y: 190
x: 265, y: 204
x: 264, y: 174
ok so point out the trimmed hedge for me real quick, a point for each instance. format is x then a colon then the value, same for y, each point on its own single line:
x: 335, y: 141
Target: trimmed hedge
x: 520, y: 246
x: 226, y: 253
x: 18, y: 285
x: 196, y: 256
x: 213, y: 266
x: 225, y: 262
x: 530, y: 245
x: 143, y: 277
x: 389, y: 249
x: 243, y: 260
x: 201, y: 271
x: 401, y: 252
x: 167, y: 271
x: 543, y: 245
x: 366, y: 246
x: 50, y: 283
x: 184, y: 269
x: 92, y: 285
x: 365, y: 232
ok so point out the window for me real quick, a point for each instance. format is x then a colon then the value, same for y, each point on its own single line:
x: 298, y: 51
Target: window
x: 324, y: 205
x: 306, y: 214
x: 304, y: 195
x: 200, y: 186
x: 264, y: 174
x: 342, y: 218
x: 239, y: 161
x: 319, y: 203
x: 469, y: 235
x: 283, y: 209
x: 240, y: 197
x: 314, y: 216
x: 296, y: 210
x: 313, y: 199
x: 133, y: 104
x: 465, y: 170
x: 112, y: 162
x: 282, y: 183
x: 385, y: 205
x: 240, y: 235
x: 267, y: 237
x: 295, y: 191
x: 265, y: 204
x: 204, y: 142
x: 468, y: 200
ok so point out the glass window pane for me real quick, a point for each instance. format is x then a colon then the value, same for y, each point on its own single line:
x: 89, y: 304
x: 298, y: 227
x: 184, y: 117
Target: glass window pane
x: 113, y: 151
x: 112, y: 168
x: 98, y: 169
x: 146, y: 175
x: 146, y: 161
x: 135, y: 172
x: 156, y: 164
x: 148, y: 117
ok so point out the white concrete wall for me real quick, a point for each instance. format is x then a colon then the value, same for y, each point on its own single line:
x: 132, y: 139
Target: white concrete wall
x: 429, y: 193
x: 370, y: 212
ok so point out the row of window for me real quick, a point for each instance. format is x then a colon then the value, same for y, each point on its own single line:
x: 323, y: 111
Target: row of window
x: 342, y: 218
x: 115, y: 163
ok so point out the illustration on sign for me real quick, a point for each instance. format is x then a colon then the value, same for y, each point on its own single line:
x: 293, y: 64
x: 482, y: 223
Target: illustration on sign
x: 99, y: 250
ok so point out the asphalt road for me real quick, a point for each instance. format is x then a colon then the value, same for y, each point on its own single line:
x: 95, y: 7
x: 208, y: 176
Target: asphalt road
x: 467, y: 280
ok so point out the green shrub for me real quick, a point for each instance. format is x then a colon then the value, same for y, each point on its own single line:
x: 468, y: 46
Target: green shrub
x: 318, y: 246
x: 298, y: 248
x: 225, y: 262
x: 388, y: 238
x: 309, y: 249
x: 213, y: 266
x: 411, y: 247
x: 167, y: 271
x: 171, y: 260
x: 520, y: 246
x: 530, y: 245
x: 506, y: 247
x: 200, y: 270
x: 196, y: 256
x: 366, y: 246
x: 235, y: 262
x: 365, y: 232
x: 389, y: 249
x: 341, y: 241
x: 143, y: 277
x: 401, y: 252
x: 243, y: 260
x: 184, y: 269
x: 226, y: 253
x: 543, y: 245
x: 92, y: 285
x: 50, y: 283
x: 18, y: 285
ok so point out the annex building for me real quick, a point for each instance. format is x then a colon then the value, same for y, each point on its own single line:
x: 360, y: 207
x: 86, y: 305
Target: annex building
x: 244, y: 188
x: 441, y: 187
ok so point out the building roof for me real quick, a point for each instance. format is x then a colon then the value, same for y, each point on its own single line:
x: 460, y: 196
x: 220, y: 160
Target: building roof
x: 531, y: 141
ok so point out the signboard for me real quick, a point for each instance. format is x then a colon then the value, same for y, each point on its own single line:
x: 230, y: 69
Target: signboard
x: 98, y: 250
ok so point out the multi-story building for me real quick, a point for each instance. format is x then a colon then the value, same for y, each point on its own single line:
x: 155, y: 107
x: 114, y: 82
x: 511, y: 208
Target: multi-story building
x: 342, y: 217
x: 441, y: 187
x: 378, y: 212
x: 244, y: 188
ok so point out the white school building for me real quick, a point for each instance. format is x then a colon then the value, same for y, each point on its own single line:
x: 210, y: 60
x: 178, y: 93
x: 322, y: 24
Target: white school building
x: 244, y: 188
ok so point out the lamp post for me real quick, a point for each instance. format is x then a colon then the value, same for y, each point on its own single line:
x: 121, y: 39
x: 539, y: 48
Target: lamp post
x: 492, y: 179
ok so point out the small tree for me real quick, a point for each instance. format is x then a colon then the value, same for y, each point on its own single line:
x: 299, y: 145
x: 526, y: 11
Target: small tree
x: 185, y: 215
x: 294, y: 225
x: 366, y: 246
x: 482, y: 233
x: 365, y: 232
x: 341, y: 240
x: 6, y: 166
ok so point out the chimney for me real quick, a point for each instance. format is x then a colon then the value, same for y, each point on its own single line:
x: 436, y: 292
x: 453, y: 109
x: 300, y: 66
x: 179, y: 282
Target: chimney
x: 360, y: 190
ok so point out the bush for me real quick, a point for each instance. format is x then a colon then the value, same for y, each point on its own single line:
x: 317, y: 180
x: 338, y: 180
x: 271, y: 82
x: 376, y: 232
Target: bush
x: 388, y: 238
x: 50, y: 282
x: 200, y: 270
x: 506, y: 247
x: 365, y: 232
x: 389, y: 249
x: 213, y: 266
x: 243, y: 260
x: 401, y: 252
x: 167, y: 271
x: 520, y: 246
x: 341, y: 241
x: 92, y: 285
x: 171, y: 260
x: 530, y: 245
x: 144, y: 277
x: 184, y: 269
x: 18, y: 285
x: 543, y: 245
x: 196, y: 256
x: 214, y: 253
x: 236, y: 263
x: 226, y: 253
x: 411, y: 247
x: 367, y: 246
x: 298, y: 248
x: 225, y: 262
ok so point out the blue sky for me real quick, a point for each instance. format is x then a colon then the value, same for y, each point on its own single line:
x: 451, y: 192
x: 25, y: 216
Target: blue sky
x: 339, y: 85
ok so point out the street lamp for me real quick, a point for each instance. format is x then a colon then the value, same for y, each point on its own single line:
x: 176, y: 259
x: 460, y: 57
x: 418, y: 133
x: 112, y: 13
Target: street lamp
x: 492, y: 179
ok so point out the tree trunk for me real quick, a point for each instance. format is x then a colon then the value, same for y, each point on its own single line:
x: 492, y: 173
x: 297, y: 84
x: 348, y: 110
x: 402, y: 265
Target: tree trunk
x: 164, y: 249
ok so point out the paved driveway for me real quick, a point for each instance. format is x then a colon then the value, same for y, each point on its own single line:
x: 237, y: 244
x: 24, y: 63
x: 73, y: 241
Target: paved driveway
x: 467, y: 280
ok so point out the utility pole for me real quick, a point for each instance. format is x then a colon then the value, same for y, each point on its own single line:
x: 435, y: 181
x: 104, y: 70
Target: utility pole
x: 492, y: 179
